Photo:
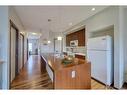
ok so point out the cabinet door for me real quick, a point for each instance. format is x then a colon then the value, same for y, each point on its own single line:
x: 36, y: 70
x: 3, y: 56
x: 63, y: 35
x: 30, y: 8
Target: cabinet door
x: 75, y: 77
x: 63, y: 78
x: 67, y: 40
x: 75, y: 36
x: 81, y: 37
x: 83, y: 76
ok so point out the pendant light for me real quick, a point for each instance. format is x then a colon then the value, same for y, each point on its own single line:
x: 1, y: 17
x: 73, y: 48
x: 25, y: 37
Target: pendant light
x: 60, y: 36
x: 49, y: 20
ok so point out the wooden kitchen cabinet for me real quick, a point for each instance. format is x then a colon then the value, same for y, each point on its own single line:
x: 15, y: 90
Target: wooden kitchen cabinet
x: 63, y: 79
x: 83, y: 71
x: 78, y: 35
x: 81, y: 80
x: 68, y: 39
x: 79, y: 56
x: 81, y: 37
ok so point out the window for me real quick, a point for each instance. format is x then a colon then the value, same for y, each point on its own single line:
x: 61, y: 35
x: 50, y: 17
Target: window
x: 30, y: 46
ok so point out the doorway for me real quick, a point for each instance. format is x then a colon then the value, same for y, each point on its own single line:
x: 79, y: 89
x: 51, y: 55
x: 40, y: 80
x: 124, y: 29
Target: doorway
x: 33, y: 46
x: 21, y: 51
x: 58, y: 45
x: 13, y: 51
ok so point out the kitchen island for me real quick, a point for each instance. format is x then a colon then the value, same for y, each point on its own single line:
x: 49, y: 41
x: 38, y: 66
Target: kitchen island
x: 76, y: 75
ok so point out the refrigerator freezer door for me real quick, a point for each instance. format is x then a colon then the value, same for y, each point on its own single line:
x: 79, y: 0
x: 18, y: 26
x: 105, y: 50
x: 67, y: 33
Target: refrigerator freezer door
x: 100, y: 66
x: 99, y: 43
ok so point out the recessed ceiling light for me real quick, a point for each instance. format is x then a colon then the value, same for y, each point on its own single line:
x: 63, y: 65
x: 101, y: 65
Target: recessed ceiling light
x: 70, y: 23
x: 93, y: 9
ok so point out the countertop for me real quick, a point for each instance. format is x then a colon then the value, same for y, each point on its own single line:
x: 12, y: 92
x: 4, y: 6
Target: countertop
x: 80, y: 54
x: 55, y: 62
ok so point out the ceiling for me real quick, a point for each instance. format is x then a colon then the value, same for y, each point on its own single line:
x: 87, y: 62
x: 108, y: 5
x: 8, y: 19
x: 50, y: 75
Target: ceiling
x: 35, y: 18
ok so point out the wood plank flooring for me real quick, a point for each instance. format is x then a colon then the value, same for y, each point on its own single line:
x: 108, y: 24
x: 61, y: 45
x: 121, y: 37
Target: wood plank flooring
x: 32, y: 76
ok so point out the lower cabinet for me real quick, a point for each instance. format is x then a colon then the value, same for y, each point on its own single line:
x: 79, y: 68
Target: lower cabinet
x: 70, y: 77
x: 79, y: 56
x: 75, y: 77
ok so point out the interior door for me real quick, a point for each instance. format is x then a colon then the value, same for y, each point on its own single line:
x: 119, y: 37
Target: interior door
x: 58, y: 46
x: 21, y: 52
x: 13, y: 53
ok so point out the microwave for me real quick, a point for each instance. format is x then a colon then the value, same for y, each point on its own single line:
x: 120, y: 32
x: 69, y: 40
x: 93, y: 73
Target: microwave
x: 74, y: 43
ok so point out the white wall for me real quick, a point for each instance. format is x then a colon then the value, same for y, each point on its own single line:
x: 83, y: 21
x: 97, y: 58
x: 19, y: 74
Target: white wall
x: 15, y: 19
x: 125, y: 42
x: 108, y: 17
x: 4, y: 41
x: 5, y: 15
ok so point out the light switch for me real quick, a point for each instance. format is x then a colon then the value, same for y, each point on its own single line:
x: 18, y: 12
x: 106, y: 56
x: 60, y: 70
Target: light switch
x: 73, y: 74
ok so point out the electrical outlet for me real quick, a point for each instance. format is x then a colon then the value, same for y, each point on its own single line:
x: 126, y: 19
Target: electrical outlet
x: 73, y: 74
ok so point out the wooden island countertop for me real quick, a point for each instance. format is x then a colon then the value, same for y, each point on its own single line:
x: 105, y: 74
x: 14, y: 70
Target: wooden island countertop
x: 55, y: 63
x: 76, y: 75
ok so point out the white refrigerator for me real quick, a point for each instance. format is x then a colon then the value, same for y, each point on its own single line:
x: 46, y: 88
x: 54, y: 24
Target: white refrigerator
x: 99, y: 53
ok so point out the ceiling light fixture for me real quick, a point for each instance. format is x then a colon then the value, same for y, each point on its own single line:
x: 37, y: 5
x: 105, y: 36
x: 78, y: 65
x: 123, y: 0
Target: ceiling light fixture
x: 59, y: 38
x: 93, y: 9
x: 34, y: 33
x: 49, y: 20
x: 49, y: 41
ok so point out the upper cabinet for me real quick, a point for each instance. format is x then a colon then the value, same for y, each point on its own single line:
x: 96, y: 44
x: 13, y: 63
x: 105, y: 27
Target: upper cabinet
x: 78, y: 35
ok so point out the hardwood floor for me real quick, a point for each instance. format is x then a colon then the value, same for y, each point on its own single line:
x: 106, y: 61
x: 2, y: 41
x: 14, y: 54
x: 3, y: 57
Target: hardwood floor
x: 34, y: 76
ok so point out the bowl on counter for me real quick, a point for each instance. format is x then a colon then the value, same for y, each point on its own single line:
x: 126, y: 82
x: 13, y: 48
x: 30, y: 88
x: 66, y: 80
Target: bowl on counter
x: 67, y: 60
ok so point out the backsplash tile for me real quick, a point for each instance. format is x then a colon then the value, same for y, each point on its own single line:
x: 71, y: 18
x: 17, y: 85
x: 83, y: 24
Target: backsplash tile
x: 76, y: 49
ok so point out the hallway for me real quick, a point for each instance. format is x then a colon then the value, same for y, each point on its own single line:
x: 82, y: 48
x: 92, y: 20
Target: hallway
x: 32, y: 76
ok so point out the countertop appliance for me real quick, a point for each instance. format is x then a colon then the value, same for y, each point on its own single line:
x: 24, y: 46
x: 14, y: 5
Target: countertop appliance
x: 99, y: 53
x: 74, y: 43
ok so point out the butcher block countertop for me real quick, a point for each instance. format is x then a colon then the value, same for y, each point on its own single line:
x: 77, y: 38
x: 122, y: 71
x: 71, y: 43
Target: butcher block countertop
x: 55, y: 63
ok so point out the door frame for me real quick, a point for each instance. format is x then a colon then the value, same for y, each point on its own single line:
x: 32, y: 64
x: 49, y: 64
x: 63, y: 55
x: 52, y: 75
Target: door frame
x: 27, y: 48
x: 16, y: 50
x: 22, y: 49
